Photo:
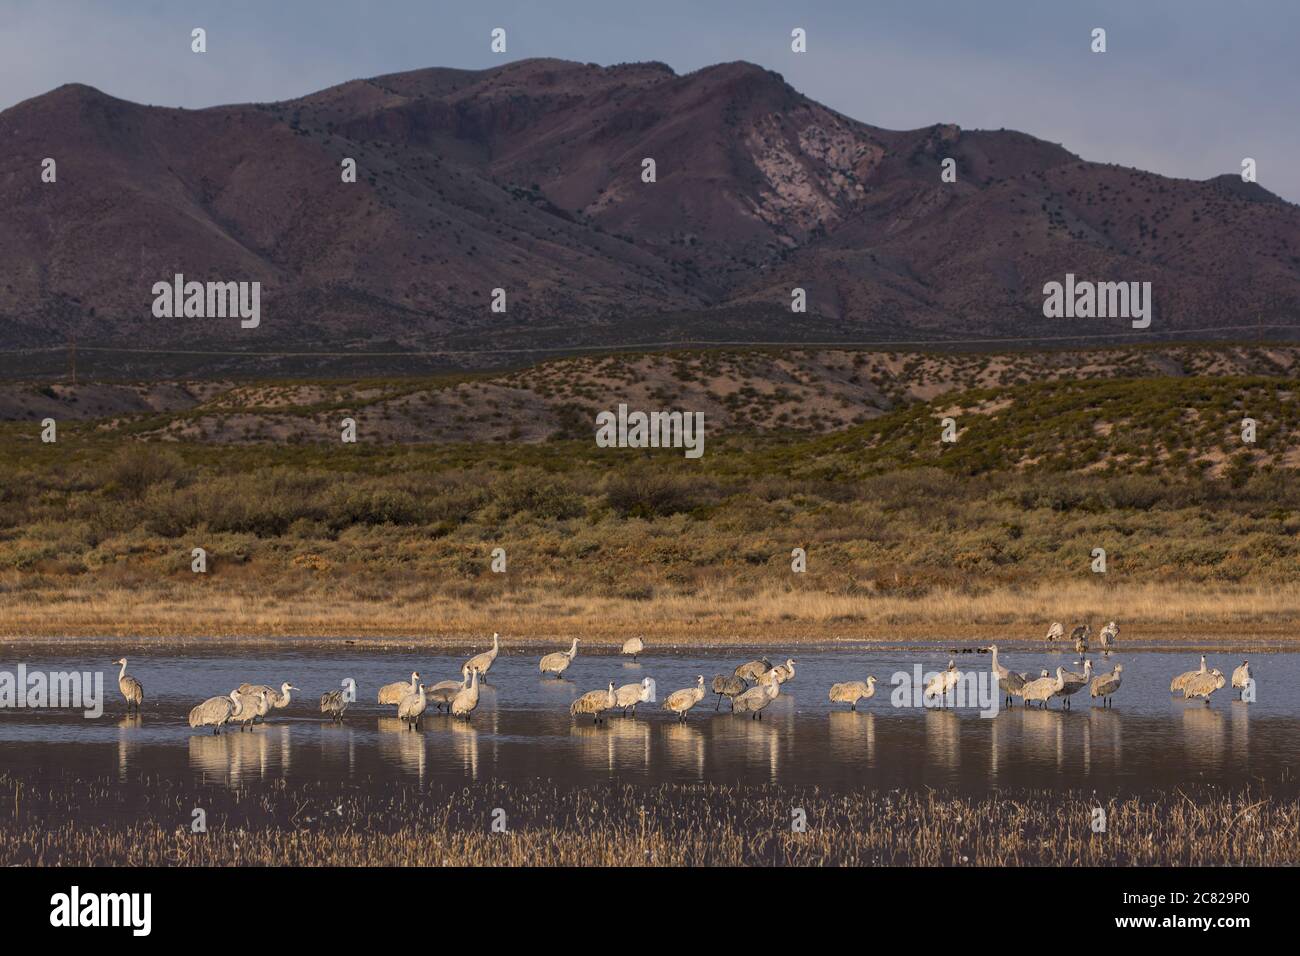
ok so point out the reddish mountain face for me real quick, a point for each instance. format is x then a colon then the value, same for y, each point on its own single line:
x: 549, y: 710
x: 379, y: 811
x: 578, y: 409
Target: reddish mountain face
x: 528, y: 177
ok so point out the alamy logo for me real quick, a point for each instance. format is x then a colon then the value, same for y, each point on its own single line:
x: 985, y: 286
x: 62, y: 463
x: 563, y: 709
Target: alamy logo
x: 208, y: 300
x: 103, y: 909
x: 55, y: 689
x: 1098, y: 300
x: 651, y: 430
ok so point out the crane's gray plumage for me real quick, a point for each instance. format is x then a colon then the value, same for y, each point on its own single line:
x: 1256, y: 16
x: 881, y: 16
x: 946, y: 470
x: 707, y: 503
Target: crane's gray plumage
x: 942, y: 682
x: 558, y: 662
x: 753, y: 670
x: 1073, y: 682
x: 276, y: 699
x: 1179, y: 682
x: 852, y: 691
x: 1010, y: 682
x: 728, y: 687
x: 444, y: 692
x: 629, y: 695
x: 780, y: 673
x: 334, y: 703
x: 1203, y: 685
x: 632, y: 647
x: 1044, y: 688
x: 252, y: 705
x: 1241, y: 679
x: 1056, y: 631
x: 755, y: 699
x: 215, y: 712
x: 411, y: 709
x: 464, y: 703
x: 131, y: 688
x: 1105, y: 685
x: 594, y: 702
x: 394, y: 692
x: 680, y: 701
x: 1080, y: 637
x: 483, y: 662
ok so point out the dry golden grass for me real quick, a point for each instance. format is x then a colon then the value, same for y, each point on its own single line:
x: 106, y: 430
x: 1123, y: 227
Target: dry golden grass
x: 624, y: 825
x: 1155, y: 613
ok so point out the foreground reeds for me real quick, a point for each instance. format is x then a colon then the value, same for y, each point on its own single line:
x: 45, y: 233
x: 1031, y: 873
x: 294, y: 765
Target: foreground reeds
x: 105, y: 824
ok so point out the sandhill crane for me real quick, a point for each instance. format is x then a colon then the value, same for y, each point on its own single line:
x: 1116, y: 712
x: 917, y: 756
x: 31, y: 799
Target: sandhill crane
x: 131, y: 688
x: 1109, y: 635
x: 1104, y: 685
x: 780, y: 673
x: 727, y: 687
x: 483, y: 662
x: 629, y: 695
x: 680, y: 701
x: 632, y: 647
x: 1240, y: 678
x: 850, y: 692
x: 276, y: 699
x: 444, y: 692
x: 1056, y: 631
x: 411, y: 709
x: 393, y: 693
x: 1010, y: 682
x: 753, y: 670
x: 1203, y: 685
x: 216, y: 711
x: 334, y: 703
x: 1080, y: 637
x: 1073, y: 683
x: 942, y: 682
x: 594, y: 702
x: 463, y: 704
x: 1044, y: 688
x: 559, y: 662
x: 755, y: 699
x: 1179, y: 682
x: 253, y: 705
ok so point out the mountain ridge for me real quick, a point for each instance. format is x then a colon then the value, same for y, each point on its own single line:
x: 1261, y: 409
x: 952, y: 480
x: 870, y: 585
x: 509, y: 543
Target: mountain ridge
x: 527, y: 177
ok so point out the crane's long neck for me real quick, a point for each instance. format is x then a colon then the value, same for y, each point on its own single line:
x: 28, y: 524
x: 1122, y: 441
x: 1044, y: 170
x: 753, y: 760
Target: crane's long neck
x: 238, y: 702
x: 286, y: 693
x: 995, y: 657
x: 122, y: 672
x: 415, y: 683
x: 573, y: 650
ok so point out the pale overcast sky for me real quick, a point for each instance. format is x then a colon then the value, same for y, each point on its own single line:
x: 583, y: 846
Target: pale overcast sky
x: 1186, y: 88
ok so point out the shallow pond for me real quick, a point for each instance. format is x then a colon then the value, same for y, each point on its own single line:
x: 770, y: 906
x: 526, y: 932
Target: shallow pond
x: 522, y: 728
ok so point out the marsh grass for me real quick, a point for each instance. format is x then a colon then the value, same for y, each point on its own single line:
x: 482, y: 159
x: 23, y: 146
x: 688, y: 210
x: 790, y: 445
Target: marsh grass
x: 104, y: 823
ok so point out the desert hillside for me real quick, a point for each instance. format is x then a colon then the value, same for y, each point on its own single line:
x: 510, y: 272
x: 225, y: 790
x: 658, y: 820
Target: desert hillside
x: 527, y: 177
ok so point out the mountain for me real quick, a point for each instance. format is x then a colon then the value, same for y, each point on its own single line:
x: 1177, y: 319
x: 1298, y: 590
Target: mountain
x: 527, y: 177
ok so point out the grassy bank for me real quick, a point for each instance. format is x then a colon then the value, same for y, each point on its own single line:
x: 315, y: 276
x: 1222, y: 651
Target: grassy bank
x: 997, y: 532
x: 318, y: 824
x: 1167, y: 616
